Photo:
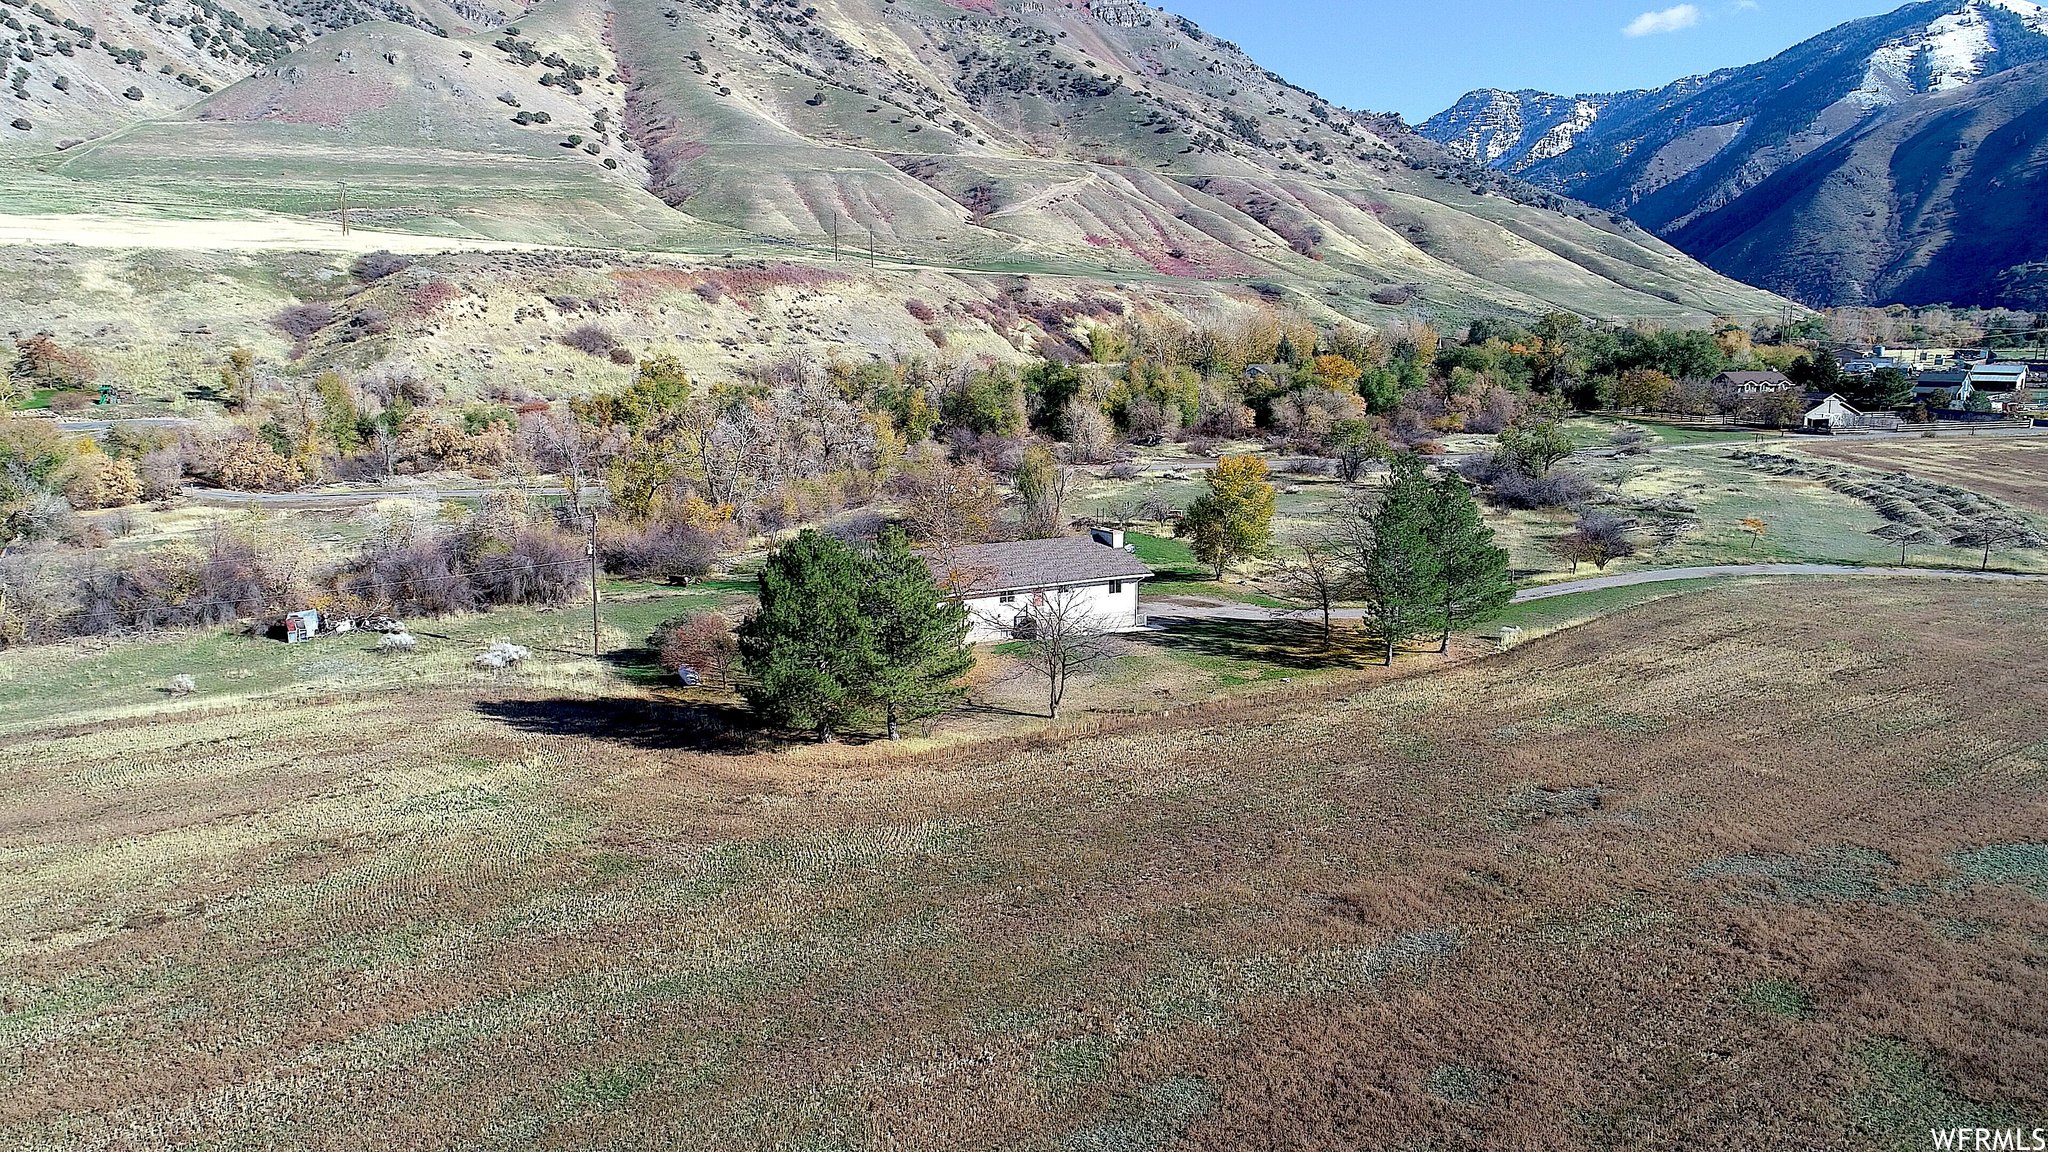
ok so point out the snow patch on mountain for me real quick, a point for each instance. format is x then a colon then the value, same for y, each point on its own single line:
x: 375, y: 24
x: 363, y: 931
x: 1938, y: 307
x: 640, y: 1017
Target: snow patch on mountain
x: 1951, y: 51
x: 1564, y: 133
x: 1514, y: 130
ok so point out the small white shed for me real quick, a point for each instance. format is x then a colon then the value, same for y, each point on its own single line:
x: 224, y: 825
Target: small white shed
x: 1831, y: 415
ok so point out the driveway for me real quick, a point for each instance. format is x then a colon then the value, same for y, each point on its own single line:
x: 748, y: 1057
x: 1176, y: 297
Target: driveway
x: 1193, y: 608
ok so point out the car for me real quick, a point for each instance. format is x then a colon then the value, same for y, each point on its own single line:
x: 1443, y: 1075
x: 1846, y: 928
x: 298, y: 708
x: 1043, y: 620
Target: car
x: 688, y: 677
x: 382, y: 624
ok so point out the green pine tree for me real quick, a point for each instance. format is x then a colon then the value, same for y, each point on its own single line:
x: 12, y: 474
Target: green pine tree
x: 1474, y: 571
x: 1400, y: 575
x: 809, y: 651
x: 920, y: 637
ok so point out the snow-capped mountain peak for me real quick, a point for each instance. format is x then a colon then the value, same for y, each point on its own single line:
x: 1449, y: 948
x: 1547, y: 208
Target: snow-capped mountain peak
x: 1947, y: 53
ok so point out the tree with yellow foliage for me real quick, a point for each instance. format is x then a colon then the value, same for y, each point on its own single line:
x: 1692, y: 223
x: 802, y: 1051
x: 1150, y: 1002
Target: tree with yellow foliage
x: 1234, y: 519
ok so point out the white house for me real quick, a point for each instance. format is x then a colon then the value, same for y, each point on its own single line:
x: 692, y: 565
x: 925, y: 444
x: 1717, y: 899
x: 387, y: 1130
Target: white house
x: 1831, y: 415
x: 1001, y: 583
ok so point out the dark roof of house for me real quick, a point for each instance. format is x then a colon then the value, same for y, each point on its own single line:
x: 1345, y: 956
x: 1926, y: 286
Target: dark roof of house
x: 1753, y: 377
x: 1946, y: 379
x: 1016, y: 565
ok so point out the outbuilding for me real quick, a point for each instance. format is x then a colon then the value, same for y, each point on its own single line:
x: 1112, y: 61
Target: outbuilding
x: 1006, y: 585
x: 1831, y: 415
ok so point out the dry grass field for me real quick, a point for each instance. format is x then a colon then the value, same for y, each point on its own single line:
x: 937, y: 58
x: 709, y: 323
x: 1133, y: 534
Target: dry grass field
x: 2013, y: 470
x: 1710, y: 874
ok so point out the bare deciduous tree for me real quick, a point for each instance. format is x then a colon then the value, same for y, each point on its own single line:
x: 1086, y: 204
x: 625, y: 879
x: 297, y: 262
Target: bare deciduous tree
x: 1064, y: 638
x: 1316, y: 578
x: 948, y: 506
x: 1989, y: 532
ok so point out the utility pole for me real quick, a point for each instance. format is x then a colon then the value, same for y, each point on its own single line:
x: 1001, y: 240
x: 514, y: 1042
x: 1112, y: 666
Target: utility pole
x: 871, y: 245
x: 344, y: 209
x: 835, y: 238
x: 590, y: 551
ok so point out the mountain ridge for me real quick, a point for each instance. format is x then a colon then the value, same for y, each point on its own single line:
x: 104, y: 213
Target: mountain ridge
x: 1676, y: 158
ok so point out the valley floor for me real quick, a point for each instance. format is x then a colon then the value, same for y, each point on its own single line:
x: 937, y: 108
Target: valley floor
x: 1711, y: 874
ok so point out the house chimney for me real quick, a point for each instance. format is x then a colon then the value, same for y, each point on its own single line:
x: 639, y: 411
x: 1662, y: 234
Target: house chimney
x: 1109, y: 537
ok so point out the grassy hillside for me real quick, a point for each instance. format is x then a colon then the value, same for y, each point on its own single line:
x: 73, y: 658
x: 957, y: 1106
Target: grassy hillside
x: 1117, y: 143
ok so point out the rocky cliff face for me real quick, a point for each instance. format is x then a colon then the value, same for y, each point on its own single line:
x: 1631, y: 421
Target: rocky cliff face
x: 1515, y: 131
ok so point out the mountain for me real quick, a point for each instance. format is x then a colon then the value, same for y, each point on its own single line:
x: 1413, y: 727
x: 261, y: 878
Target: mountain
x: 1809, y: 173
x: 1109, y: 141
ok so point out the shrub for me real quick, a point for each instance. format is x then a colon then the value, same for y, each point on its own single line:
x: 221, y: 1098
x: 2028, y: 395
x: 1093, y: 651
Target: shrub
x: 709, y: 292
x: 502, y: 654
x: 1124, y: 471
x: 375, y: 266
x: 182, y: 685
x: 702, y: 642
x: 1509, y: 485
x: 254, y: 466
x: 303, y: 321
x: 180, y: 585
x: 921, y: 310
x: 538, y: 567
x: 591, y: 339
x: 96, y: 480
x: 660, y: 550
x: 622, y: 355
x: 415, y: 574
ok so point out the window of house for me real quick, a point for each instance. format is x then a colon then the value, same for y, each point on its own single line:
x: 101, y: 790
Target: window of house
x: 1115, y: 586
x: 1007, y: 598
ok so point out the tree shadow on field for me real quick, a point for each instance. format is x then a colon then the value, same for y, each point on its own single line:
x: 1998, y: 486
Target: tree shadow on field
x: 651, y: 724
x: 1282, y: 643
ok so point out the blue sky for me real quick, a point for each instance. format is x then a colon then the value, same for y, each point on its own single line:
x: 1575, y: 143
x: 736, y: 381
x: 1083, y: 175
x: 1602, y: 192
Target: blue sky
x: 1416, y: 57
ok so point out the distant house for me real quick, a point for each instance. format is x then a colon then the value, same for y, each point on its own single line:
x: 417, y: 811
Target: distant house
x: 1830, y: 415
x: 1753, y: 383
x: 2002, y: 382
x: 1001, y: 583
x: 1943, y: 389
x: 1912, y: 358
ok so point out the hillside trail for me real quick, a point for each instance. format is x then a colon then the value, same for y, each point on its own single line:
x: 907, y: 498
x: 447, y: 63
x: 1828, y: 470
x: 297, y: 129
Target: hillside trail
x: 1199, y: 608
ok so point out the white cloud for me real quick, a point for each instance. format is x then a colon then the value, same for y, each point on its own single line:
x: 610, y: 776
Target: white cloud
x: 1746, y: 6
x: 1669, y: 20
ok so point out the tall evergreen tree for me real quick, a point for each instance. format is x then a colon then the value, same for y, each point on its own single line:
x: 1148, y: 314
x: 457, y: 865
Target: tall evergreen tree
x: 1474, y: 582
x: 809, y: 652
x: 1399, y: 573
x: 920, y: 637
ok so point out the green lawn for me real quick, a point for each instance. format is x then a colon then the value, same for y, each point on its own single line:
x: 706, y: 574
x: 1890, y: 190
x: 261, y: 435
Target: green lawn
x: 1178, y: 573
x: 1598, y: 431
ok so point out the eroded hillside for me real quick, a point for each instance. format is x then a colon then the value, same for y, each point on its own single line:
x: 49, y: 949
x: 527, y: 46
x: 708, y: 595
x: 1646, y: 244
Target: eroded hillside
x: 1114, y: 142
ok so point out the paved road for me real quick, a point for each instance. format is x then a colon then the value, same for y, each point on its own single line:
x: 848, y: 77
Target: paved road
x: 1157, y: 609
